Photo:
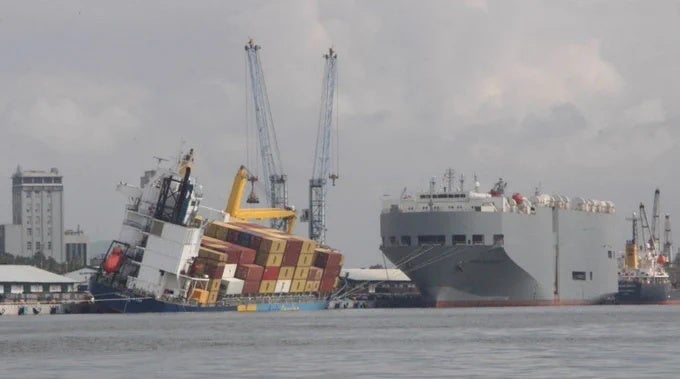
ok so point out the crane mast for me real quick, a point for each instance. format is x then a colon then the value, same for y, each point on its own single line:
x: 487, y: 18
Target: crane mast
x: 322, y: 154
x: 276, y: 187
x: 655, y: 220
x: 667, y: 239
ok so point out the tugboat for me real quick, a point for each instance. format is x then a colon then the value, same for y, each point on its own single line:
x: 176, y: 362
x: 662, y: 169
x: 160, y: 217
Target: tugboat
x: 642, y: 276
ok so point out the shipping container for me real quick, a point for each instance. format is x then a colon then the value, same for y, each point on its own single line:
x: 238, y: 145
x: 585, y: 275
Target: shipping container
x: 255, y: 241
x: 271, y: 260
x: 286, y: 273
x: 327, y: 285
x: 268, y: 286
x: 293, y: 245
x: 306, y: 260
x: 331, y: 272
x: 212, y: 297
x: 251, y: 287
x: 232, y: 235
x: 298, y: 286
x: 244, y: 238
x: 271, y: 273
x: 249, y: 272
x: 241, y: 255
x: 213, y: 269
x: 214, y: 285
x: 326, y: 258
x: 290, y: 258
x: 315, y: 274
x: 212, y: 254
x: 200, y: 295
x: 283, y: 286
x: 301, y: 273
x: 312, y: 286
x: 229, y: 270
x: 272, y: 245
x: 308, y: 246
x: 232, y: 286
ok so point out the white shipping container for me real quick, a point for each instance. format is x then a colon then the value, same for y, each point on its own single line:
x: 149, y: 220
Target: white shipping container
x: 229, y: 271
x: 283, y: 286
x: 234, y: 286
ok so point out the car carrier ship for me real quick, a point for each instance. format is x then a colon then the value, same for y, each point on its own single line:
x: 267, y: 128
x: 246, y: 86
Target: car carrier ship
x: 167, y: 258
x: 472, y: 248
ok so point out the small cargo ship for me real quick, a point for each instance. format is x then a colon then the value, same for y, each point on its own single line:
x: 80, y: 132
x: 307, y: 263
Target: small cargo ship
x: 643, y: 278
x: 169, y: 259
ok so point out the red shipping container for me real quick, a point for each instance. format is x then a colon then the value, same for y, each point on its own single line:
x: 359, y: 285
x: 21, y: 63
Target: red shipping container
x: 255, y: 241
x: 251, y: 287
x: 249, y: 272
x: 290, y: 258
x: 315, y: 274
x: 271, y: 273
x: 240, y: 255
x: 214, y: 270
x: 331, y: 272
x: 327, y: 285
x: 327, y: 258
x: 293, y: 246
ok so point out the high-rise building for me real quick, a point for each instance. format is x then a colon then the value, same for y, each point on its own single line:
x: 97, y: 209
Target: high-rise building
x: 37, y: 206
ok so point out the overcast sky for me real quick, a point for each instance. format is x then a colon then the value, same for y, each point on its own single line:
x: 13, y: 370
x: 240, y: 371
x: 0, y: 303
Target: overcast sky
x: 580, y: 96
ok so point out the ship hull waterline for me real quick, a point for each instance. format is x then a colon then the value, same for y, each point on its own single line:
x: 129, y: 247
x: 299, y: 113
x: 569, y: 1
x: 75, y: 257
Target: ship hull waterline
x: 110, y: 299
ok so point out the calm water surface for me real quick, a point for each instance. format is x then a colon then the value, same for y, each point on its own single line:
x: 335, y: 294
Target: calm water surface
x: 535, y: 342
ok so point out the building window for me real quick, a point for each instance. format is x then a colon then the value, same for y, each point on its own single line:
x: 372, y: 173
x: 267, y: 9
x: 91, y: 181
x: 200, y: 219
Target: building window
x: 478, y: 239
x: 29, y: 245
x: 37, y: 245
x: 430, y: 240
x: 406, y: 240
x: 29, y: 231
x: 393, y: 240
x: 459, y: 239
x: 49, y: 245
x: 498, y: 239
x: 578, y: 275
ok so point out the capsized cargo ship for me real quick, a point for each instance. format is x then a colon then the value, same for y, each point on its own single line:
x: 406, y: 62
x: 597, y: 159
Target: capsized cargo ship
x: 473, y: 248
x: 169, y: 259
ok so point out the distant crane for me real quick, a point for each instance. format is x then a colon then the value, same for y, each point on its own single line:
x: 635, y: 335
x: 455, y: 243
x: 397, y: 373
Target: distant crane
x: 667, y: 239
x: 655, y: 220
x: 644, y: 224
x: 276, y: 186
x: 316, y: 214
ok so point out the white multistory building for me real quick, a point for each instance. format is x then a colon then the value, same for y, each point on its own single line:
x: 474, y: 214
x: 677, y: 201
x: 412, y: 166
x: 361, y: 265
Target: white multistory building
x: 37, y: 208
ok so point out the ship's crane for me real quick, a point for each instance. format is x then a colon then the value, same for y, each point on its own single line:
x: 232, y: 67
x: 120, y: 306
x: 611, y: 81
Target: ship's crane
x: 667, y: 239
x: 644, y: 224
x: 654, y: 237
x: 276, y: 187
x: 316, y: 214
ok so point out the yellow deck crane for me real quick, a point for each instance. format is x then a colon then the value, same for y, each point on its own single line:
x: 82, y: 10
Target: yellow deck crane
x: 236, y: 212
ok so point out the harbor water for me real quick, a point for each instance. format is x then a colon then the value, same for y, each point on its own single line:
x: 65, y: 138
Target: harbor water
x: 532, y: 342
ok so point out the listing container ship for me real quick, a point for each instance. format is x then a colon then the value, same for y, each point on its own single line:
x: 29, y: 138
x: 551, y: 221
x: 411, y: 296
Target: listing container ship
x: 169, y: 259
x: 472, y: 248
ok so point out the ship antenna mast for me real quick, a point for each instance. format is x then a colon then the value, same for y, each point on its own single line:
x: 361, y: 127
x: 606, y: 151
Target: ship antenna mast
x: 449, y: 176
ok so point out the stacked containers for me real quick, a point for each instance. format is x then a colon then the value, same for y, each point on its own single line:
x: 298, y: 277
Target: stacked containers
x: 210, y: 263
x: 331, y: 262
x: 287, y: 264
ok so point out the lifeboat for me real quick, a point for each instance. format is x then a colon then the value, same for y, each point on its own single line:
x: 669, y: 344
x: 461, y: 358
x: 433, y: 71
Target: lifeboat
x: 114, y: 260
x: 661, y: 260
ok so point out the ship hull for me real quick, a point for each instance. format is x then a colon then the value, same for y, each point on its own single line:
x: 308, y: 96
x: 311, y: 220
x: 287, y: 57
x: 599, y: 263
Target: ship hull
x: 523, y: 266
x: 643, y: 293
x: 110, y: 299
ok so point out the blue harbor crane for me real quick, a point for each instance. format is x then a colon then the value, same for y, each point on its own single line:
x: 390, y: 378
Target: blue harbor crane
x: 276, y: 186
x: 322, y: 171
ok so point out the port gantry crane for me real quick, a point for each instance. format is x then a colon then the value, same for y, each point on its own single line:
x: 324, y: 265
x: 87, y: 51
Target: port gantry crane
x: 276, y: 186
x: 316, y: 214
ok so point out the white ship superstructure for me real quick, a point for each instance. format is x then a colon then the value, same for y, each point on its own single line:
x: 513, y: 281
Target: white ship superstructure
x: 474, y: 248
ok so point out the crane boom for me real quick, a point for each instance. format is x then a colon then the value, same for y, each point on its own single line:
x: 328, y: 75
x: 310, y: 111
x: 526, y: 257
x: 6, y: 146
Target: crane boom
x: 322, y: 153
x: 655, y: 219
x: 644, y: 224
x: 276, y: 186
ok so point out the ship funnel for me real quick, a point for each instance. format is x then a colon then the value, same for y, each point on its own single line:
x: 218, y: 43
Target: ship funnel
x: 631, y: 255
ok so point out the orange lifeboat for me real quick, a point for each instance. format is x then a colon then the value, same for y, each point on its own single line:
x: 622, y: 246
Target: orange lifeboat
x: 114, y: 260
x: 661, y: 260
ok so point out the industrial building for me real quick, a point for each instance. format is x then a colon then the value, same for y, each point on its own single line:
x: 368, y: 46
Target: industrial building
x: 30, y: 284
